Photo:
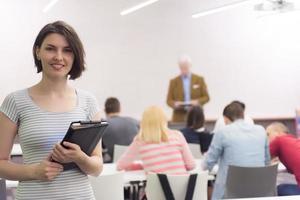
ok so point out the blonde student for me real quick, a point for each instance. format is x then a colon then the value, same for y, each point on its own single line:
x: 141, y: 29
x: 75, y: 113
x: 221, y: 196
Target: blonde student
x: 160, y: 149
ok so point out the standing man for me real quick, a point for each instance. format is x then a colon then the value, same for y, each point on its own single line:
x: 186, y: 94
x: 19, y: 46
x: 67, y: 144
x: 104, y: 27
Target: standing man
x: 186, y: 90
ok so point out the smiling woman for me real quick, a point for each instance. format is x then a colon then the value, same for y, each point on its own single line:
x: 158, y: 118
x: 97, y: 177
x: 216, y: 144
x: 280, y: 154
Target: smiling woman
x: 59, y: 42
x: 55, y: 55
x: 41, y: 115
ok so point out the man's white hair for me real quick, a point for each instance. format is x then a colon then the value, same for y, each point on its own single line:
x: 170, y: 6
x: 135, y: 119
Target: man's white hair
x: 185, y: 59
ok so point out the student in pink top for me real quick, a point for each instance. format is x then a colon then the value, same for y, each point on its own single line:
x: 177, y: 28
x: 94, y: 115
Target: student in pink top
x: 160, y: 149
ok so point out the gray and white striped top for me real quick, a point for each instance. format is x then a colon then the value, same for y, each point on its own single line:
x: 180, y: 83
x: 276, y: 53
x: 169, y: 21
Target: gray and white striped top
x: 38, y: 131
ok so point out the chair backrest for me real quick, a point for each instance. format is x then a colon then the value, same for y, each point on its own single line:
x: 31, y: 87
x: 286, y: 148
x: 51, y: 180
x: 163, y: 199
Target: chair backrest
x: 2, y: 189
x: 196, y: 150
x: 178, y: 184
x: 118, y: 151
x: 243, y: 182
x: 108, y: 186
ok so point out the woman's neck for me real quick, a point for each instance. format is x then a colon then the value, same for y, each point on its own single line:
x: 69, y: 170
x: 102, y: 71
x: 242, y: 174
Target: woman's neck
x: 48, y: 86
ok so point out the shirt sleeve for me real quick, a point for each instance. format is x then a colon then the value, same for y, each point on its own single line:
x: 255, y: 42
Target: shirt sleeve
x: 267, y: 152
x: 274, y: 147
x: 170, y: 97
x: 93, y: 106
x: 126, y: 160
x: 204, y: 98
x: 187, y: 155
x: 9, y: 108
x: 214, y: 152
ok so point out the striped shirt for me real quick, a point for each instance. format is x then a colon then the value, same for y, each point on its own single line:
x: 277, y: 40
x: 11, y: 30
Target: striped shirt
x: 172, y: 157
x: 39, y: 131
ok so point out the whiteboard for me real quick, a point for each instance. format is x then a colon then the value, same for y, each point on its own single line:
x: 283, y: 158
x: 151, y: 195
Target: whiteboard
x: 241, y: 56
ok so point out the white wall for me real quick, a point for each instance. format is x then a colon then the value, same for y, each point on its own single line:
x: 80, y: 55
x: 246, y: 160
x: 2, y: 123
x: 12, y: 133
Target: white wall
x: 242, y: 56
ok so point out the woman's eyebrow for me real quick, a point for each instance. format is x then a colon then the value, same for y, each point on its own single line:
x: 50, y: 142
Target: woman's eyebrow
x: 51, y: 45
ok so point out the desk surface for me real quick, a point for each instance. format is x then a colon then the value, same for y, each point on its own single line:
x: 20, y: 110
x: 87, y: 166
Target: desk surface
x: 16, y: 150
x: 139, y: 175
x: 110, y: 168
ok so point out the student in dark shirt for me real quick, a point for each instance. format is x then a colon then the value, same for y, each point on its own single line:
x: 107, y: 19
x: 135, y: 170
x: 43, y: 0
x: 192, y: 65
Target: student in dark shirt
x: 195, y: 131
x: 121, y: 129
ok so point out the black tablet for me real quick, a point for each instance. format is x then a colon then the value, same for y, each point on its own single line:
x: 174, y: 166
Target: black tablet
x: 86, y: 134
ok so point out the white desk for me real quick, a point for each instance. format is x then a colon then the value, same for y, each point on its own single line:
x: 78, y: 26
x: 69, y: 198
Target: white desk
x: 139, y: 175
x: 16, y: 150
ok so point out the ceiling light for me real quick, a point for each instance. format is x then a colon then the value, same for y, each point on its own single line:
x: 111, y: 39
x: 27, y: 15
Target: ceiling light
x: 50, y: 5
x: 137, y: 7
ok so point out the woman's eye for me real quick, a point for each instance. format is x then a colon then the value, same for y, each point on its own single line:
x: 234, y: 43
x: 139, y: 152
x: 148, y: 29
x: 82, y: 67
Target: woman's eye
x: 68, y: 50
x: 49, y: 48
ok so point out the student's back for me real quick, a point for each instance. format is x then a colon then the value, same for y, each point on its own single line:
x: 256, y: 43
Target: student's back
x: 244, y: 144
x: 239, y: 144
x: 195, y: 132
x: 287, y: 148
x: 200, y: 136
x: 160, y: 149
x: 172, y: 157
x: 121, y: 131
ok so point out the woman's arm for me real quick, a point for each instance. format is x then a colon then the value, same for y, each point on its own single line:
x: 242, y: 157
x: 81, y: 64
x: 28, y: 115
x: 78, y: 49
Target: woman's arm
x: 126, y: 161
x: 45, y: 170
x: 215, y: 151
x: 91, y: 165
x: 187, y: 155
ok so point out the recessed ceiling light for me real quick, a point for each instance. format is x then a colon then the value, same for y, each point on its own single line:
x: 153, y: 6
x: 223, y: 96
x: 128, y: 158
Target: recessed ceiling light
x: 50, y: 5
x: 137, y: 7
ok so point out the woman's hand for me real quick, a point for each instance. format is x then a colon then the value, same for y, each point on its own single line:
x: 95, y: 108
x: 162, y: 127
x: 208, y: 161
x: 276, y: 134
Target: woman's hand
x: 46, y: 170
x: 72, y: 153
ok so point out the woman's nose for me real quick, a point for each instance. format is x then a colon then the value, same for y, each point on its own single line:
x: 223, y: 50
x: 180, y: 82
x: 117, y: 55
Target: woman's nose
x: 58, y: 56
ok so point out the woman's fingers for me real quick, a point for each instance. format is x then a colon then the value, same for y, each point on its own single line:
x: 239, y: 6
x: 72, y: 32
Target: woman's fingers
x: 59, y: 149
x: 71, y: 145
x: 56, y: 165
x: 70, y: 152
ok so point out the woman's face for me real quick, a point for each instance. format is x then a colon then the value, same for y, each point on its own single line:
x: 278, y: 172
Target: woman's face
x: 56, y: 56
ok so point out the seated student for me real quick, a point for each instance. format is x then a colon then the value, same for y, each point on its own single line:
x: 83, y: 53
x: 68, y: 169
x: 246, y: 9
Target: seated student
x: 121, y: 130
x: 160, y: 149
x: 195, y: 131
x: 220, y: 123
x: 238, y: 143
x: 287, y: 148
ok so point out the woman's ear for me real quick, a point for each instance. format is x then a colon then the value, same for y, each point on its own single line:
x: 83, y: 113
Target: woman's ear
x: 37, y: 53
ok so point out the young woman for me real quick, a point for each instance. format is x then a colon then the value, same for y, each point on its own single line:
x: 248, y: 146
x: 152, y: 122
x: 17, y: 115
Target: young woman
x: 160, y: 149
x: 40, y: 115
x: 194, y: 132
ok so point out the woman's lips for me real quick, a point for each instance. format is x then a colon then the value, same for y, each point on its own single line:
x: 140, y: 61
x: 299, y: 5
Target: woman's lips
x: 57, y: 66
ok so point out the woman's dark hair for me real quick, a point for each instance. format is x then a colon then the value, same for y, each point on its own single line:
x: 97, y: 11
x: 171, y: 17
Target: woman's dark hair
x: 195, y: 118
x: 112, y: 105
x: 72, y: 38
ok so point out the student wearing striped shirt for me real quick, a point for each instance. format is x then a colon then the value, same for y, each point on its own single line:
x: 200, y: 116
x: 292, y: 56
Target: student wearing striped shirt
x: 41, y: 114
x: 160, y: 149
